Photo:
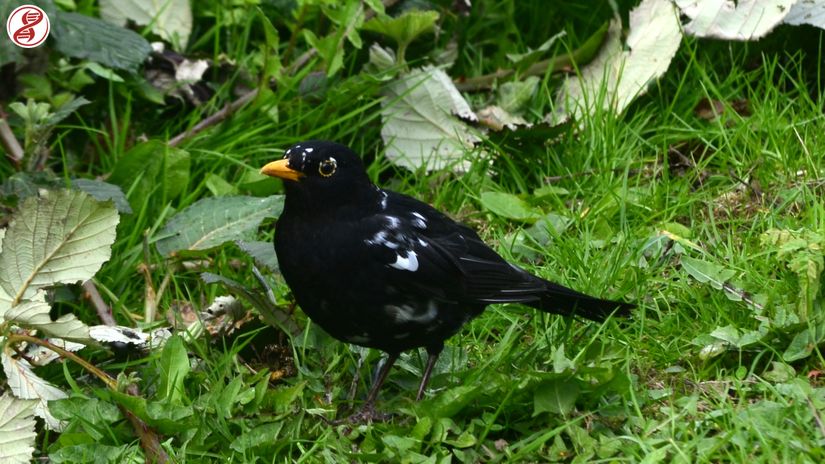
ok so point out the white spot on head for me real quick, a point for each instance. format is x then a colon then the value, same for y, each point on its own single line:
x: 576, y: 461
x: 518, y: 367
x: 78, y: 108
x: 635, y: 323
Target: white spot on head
x: 383, y: 199
x: 309, y: 150
x: 289, y: 150
x: 409, y: 262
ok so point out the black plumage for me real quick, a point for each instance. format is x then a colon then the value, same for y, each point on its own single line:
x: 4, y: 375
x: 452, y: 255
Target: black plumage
x: 383, y: 270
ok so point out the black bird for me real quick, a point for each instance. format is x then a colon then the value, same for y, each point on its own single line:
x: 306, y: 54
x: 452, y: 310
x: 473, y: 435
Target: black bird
x: 383, y: 270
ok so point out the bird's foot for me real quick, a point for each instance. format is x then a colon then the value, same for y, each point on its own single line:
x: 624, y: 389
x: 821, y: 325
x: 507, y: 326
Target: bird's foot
x: 366, y: 415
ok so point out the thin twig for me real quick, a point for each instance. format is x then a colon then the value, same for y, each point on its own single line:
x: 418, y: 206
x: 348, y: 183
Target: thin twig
x: 210, y: 121
x: 104, y: 312
x: 9, y: 142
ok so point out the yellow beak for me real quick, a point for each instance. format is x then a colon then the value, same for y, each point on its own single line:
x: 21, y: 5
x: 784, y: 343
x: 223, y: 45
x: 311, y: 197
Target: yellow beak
x: 281, y: 169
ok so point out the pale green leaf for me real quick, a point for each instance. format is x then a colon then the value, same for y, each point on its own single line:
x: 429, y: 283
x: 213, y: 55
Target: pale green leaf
x: 25, y: 384
x: 213, y: 221
x: 2, y: 236
x: 16, y: 429
x: 422, y: 128
x: 62, y: 237
x: 622, y: 70
x: 741, y: 20
x: 707, y: 272
x: 35, y: 315
x: 170, y: 19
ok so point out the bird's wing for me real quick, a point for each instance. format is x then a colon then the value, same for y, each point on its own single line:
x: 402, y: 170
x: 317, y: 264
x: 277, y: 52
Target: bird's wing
x: 426, y: 252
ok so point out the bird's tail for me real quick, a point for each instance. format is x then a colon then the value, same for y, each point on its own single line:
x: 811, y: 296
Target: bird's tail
x: 562, y: 300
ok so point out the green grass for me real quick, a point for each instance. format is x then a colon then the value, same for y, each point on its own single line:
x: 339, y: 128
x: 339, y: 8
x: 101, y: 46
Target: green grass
x: 643, y: 392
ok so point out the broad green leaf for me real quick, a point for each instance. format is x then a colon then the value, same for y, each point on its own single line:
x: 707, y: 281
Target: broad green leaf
x: 97, y: 453
x: 93, y: 410
x: 509, y: 206
x: 707, y: 272
x: 62, y: 237
x: 556, y: 395
x: 804, y: 342
x: 152, y: 169
x: 35, y: 315
x: 103, y: 191
x: 17, y: 429
x: 213, y: 221
x: 84, y: 37
x: 174, y: 361
x: 423, y: 127
x: 170, y: 19
x: 404, y: 28
x: 261, y: 435
x: 262, y: 252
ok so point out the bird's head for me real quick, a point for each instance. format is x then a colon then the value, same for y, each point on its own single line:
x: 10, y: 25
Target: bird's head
x: 318, y: 171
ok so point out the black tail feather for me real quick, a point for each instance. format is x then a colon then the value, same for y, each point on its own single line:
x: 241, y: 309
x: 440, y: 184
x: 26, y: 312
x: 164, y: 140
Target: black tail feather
x: 562, y: 300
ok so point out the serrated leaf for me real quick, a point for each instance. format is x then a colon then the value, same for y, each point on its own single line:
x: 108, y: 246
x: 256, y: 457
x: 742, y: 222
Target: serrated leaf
x: 95, y: 453
x: 556, y: 395
x: 262, y: 252
x: 62, y: 237
x: 422, y: 128
x: 16, y: 429
x: 35, y: 315
x: 707, y: 272
x: 104, y: 191
x: 404, y: 28
x: 213, y: 221
x: 154, y: 169
x: 509, y: 206
x: 25, y: 384
x: 170, y: 19
x: 84, y: 37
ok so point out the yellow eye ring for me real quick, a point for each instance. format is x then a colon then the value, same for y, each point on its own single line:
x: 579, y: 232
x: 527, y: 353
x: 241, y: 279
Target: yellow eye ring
x: 327, y: 167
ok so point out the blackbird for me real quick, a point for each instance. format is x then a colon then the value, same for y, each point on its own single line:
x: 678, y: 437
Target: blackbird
x: 383, y: 270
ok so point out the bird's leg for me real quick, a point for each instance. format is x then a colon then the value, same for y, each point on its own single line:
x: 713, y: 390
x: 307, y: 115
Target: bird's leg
x: 367, y: 412
x: 432, y: 357
x: 382, y: 376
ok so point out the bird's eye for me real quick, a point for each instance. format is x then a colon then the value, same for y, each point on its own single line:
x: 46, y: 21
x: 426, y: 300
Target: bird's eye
x: 327, y: 167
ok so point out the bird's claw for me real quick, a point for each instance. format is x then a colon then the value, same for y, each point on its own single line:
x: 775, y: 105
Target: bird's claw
x: 366, y: 415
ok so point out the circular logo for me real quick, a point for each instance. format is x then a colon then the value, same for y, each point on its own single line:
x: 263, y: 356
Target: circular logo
x: 28, y: 26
